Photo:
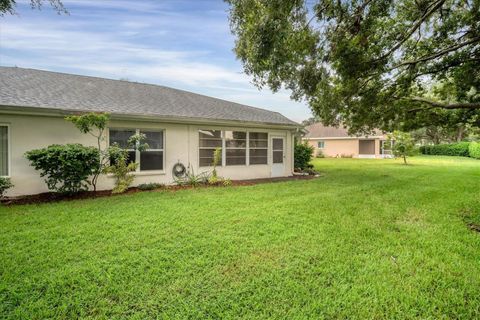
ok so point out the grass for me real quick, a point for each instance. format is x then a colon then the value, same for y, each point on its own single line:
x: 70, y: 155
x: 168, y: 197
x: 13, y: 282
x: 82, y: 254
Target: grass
x: 369, y: 239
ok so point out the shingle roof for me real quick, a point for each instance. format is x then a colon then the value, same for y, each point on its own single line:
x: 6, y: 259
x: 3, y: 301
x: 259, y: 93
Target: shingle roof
x: 318, y: 130
x: 52, y: 90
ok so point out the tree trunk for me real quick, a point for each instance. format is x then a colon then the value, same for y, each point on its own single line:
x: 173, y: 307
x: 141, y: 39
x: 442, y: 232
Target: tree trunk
x: 460, y: 132
x: 404, y: 159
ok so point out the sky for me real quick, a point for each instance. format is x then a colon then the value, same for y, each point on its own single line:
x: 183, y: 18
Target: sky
x: 176, y: 43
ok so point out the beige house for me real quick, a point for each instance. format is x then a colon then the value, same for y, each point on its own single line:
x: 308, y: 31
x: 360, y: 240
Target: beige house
x: 336, y: 142
x: 181, y: 127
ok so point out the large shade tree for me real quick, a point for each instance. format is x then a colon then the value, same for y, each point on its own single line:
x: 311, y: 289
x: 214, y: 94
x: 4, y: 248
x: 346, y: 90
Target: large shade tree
x: 366, y: 63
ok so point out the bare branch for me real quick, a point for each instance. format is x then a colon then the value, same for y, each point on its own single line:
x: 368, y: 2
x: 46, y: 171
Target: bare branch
x: 412, y: 30
x: 438, y: 53
x: 435, y: 104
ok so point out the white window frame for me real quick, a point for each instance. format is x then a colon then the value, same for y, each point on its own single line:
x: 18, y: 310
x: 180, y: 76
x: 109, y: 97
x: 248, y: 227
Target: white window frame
x: 224, y: 149
x: 9, y: 150
x: 137, y: 152
x: 323, y: 144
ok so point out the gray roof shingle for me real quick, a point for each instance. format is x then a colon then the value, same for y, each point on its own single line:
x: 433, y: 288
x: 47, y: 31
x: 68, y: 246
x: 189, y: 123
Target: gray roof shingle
x: 68, y: 92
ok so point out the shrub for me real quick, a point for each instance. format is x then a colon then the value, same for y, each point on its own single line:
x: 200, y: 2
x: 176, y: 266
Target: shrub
x: 192, y: 179
x: 302, y: 155
x: 402, y: 144
x: 151, y: 186
x: 5, y: 184
x: 67, y: 167
x: 460, y: 149
x: 120, y: 168
x: 320, y: 154
x: 474, y: 150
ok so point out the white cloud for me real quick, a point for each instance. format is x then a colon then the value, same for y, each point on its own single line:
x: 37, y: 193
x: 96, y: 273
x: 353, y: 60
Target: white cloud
x: 115, y: 47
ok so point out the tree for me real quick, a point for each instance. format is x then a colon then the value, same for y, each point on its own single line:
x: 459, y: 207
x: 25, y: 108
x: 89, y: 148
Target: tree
x: 8, y: 6
x: 366, y: 64
x: 402, y: 144
x: 94, y: 124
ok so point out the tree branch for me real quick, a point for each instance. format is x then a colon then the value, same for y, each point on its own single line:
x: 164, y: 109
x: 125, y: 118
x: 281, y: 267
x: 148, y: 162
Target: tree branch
x: 435, y: 104
x: 437, y: 54
x: 412, y: 30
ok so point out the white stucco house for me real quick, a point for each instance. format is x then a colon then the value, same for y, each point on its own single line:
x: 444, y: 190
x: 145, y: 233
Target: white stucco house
x: 181, y: 127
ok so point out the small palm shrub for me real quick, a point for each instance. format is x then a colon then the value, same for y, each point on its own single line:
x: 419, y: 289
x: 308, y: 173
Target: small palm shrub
x: 474, y: 150
x: 120, y: 168
x: 5, y: 184
x: 67, y: 168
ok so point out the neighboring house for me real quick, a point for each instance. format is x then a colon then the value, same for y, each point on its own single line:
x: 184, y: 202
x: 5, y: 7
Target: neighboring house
x: 336, y: 142
x: 181, y: 127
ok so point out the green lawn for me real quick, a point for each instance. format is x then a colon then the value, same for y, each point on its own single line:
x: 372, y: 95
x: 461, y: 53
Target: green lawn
x: 368, y: 239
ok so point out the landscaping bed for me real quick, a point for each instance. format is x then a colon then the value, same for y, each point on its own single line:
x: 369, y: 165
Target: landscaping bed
x: 53, y: 197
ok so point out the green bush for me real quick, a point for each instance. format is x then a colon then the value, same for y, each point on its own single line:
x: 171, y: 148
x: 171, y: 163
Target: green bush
x: 67, y: 167
x: 302, y: 155
x: 5, y: 184
x: 474, y: 150
x: 448, y: 149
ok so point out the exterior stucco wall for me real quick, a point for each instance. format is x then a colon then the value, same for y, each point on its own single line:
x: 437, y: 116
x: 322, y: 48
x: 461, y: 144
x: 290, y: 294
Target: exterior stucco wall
x: 181, y: 145
x: 339, y: 147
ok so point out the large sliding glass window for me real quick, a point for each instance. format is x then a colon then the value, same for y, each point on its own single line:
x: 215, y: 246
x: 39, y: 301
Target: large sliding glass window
x: 4, y: 169
x: 208, y: 142
x: 150, y: 159
x: 236, y: 148
x: 234, y: 145
x: 258, y: 147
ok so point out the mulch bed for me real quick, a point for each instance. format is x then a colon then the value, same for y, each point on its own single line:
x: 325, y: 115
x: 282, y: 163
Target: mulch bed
x: 54, y: 197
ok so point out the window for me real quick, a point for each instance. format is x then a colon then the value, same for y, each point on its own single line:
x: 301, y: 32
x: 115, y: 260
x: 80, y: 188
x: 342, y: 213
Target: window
x: 150, y: 159
x: 258, y: 147
x: 209, y: 140
x: 4, y: 169
x: 236, y: 148
x: 321, y: 144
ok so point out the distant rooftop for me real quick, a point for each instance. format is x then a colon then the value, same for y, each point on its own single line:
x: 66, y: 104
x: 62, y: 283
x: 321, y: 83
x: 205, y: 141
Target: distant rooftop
x: 52, y: 90
x: 318, y: 130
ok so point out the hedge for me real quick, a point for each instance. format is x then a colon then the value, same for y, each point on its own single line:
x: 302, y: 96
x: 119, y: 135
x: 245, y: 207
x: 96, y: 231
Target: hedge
x: 448, y: 149
x: 474, y: 150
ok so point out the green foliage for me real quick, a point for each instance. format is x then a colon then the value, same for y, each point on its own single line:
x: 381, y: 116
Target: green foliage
x: 120, y: 168
x: 66, y: 167
x: 474, y: 150
x: 460, y: 149
x: 192, y: 179
x: 303, y: 153
x: 94, y: 124
x: 90, y: 122
x: 136, y: 141
x: 402, y: 143
x: 366, y: 64
x: 151, y: 186
x: 320, y: 154
x: 5, y: 184
x: 119, y: 165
